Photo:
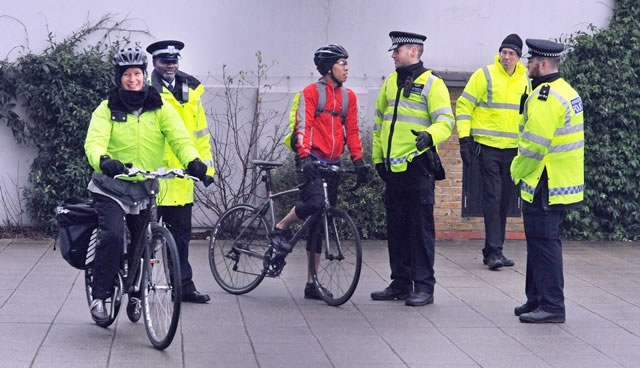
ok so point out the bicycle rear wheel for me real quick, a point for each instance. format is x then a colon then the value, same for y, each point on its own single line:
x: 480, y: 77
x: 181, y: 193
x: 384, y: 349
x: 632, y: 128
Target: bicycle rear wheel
x: 161, y: 288
x: 237, y: 249
x: 336, y: 270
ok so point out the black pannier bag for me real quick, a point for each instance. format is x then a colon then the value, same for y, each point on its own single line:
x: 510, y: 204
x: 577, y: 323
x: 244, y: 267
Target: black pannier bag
x: 77, y: 232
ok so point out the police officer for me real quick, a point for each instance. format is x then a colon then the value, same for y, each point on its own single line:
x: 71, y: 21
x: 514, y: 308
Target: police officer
x: 413, y: 115
x: 175, y: 200
x: 487, y: 117
x: 549, y: 168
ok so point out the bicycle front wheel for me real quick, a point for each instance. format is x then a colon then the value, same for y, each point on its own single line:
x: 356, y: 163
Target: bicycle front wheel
x: 161, y: 288
x: 338, y: 256
x: 237, y: 249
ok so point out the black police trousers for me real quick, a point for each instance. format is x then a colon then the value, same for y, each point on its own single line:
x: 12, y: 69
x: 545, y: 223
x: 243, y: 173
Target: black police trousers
x: 410, y: 228
x: 109, y: 250
x: 544, y: 279
x: 178, y: 221
x: 498, y: 194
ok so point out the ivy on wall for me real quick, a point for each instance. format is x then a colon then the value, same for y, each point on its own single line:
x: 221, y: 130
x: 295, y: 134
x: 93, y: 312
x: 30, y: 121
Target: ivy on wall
x: 604, y: 68
x: 59, y: 89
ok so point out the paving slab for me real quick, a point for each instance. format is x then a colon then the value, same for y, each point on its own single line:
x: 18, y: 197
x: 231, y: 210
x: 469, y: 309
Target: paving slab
x: 45, y: 322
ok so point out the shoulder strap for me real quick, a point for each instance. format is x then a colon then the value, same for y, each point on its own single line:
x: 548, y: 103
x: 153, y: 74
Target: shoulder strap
x: 322, y: 98
x: 345, y: 103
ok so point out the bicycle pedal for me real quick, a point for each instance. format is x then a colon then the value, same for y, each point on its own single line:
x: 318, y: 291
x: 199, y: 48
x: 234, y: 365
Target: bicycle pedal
x: 275, y: 267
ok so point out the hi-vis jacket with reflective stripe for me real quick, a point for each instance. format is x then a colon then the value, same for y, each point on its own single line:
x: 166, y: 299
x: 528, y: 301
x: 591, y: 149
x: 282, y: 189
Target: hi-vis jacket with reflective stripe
x: 428, y: 108
x: 178, y: 192
x: 488, y: 108
x: 138, y: 140
x: 552, y: 137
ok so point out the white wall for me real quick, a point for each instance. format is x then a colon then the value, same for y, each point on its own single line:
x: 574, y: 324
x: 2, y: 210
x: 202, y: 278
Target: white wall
x: 462, y: 35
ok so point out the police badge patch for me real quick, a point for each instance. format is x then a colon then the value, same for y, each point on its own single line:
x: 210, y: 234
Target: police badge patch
x: 576, y: 103
x: 417, y: 88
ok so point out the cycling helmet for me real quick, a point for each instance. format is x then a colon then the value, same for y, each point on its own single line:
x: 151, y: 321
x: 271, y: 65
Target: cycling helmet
x: 326, y: 56
x: 130, y: 57
x: 127, y: 58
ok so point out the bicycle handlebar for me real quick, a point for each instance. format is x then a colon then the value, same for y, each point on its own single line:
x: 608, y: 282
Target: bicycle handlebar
x: 160, y: 173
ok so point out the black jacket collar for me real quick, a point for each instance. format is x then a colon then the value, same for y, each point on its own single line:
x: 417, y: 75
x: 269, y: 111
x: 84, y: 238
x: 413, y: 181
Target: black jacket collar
x: 535, y: 82
x: 152, y: 102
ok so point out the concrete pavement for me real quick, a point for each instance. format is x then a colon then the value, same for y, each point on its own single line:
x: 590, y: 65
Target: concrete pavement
x: 45, y: 322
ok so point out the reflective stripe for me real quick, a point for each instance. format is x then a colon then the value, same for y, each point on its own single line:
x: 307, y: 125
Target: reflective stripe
x: 302, y: 118
x: 504, y: 106
x: 566, y: 190
x: 567, y: 108
x: 530, y: 154
x: 452, y: 123
x: 487, y: 75
x: 377, y: 127
x: 427, y: 85
x: 379, y: 114
x: 570, y: 129
x: 407, y: 104
x: 494, y: 133
x: 442, y: 111
x: 409, y: 119
x: 201, y: 133
x: 208, y: 163
x: 469, y: 97
x: 567, y: 147
x: 526, y: 116
x: 536, y: 139
x: 401, y: 160
x: 521, y: 129
x: 463, y: 117
x: 527, y: 188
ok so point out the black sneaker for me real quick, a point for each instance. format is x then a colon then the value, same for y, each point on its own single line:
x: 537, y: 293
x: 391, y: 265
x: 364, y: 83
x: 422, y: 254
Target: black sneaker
x: 134, y: 309
x: 98, y: 310
x: 280, y: 240
x: 310, y: 292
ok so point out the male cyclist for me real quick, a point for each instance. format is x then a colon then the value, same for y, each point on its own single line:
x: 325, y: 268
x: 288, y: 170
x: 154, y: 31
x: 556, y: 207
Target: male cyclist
x: 131, y: 126
x: 319, y: 139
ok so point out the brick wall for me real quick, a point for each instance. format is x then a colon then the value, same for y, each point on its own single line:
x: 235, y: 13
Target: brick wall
x: 449, y: 223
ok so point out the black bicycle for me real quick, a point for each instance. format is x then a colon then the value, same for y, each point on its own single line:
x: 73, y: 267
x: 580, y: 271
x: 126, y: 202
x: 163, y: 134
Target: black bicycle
x: 241, y: 254
x: 152, y: 271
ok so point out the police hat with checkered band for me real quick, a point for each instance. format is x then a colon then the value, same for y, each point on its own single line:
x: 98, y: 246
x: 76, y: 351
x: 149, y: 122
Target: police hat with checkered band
x: 544, y: 48
x: 399, y: 38
x: 167, y: 50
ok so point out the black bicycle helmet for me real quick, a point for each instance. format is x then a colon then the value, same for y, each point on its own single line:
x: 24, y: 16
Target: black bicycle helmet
x: 326, y: 56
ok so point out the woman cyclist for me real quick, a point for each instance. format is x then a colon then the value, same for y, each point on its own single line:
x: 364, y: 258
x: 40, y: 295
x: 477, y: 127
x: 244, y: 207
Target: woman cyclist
x: 129, y: 127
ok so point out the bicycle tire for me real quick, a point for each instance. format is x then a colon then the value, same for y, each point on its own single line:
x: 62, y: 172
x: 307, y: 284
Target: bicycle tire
x: 237, y: 249
x: 161, y: 288
x: 116, y: 298
x: 337, y: 273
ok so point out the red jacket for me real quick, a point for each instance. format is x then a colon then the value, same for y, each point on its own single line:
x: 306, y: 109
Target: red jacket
x: 324, y: 136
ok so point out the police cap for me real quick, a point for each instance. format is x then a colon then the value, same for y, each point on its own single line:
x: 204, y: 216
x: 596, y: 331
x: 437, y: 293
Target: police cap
x: 168, y: 49
x: 399, y: 38
x: 544, y: 48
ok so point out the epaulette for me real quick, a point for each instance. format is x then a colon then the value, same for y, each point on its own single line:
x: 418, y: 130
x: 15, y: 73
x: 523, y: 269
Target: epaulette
x: 544, y: 92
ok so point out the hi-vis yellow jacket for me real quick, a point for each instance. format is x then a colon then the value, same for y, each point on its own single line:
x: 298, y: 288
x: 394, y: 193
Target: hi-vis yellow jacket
x: 178, y: 192
x: 428, y: 108
x: 488, y: 108
x: 552, y: 137
x: 139, y: 140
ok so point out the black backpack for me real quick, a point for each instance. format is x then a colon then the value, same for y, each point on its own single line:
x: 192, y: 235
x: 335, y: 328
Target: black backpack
x: 77, y: 232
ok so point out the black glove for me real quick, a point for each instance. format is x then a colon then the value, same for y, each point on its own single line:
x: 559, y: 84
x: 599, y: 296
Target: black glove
x: 197, y: 168
x: 363, y: 171
x: 308, y: 167
x: 467, y: 148
x: 423, y: 140
x: 382, y: 172
x: 111, y: 167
